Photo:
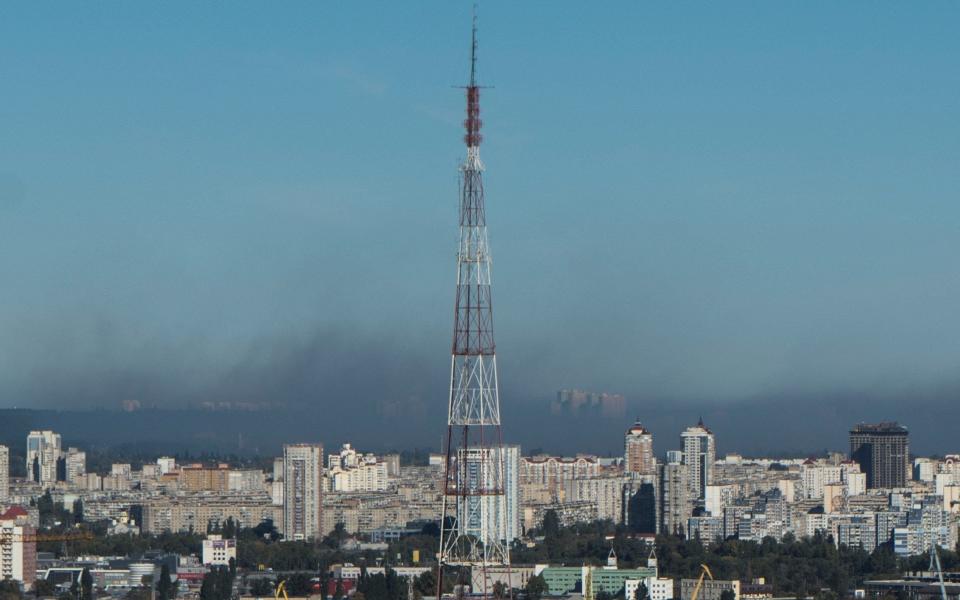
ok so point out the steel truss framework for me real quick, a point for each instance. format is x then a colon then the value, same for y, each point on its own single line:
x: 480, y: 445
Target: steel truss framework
x: 474, y: 505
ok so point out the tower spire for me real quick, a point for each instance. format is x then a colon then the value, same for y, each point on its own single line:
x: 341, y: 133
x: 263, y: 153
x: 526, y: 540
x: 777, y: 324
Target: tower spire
x: 473, y: 122
x: 473, y: 50
x: 479, y: 522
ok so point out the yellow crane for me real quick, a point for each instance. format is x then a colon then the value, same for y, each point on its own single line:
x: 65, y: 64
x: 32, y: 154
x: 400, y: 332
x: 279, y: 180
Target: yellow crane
x: 704, y: 571
x: 281, y: 590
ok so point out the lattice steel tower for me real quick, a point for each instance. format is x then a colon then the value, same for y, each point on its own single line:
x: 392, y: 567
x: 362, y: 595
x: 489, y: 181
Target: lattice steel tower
x: 474, y: 526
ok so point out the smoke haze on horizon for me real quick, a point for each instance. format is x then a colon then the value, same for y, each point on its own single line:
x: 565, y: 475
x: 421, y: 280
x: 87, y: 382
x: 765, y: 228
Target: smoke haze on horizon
x: 747, y: 211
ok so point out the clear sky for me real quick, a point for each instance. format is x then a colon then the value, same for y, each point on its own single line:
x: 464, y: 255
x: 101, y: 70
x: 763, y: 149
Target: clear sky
x: 710, y: 201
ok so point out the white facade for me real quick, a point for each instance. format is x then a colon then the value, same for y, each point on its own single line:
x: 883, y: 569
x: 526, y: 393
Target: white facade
x: 495, y: 515
x: 717, y: 498
x: 246, y: 480
x: 856, y: 484
x: 699, y: 454
x: 302, y: 491
x: 43, y: 452
x: 166, y: 464
x: 218, y: 551
x: 18, y: 558
x: 76, y: 466
x: 816, y: 475
x: 659, y: 588
x: 4, y: 473
x: 365, y: 477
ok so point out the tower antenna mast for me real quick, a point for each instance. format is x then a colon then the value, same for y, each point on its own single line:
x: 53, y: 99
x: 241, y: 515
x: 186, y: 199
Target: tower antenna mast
x: 476, y: 525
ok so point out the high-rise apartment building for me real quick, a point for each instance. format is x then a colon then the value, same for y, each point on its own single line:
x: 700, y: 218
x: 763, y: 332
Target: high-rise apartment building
x: 43, y: 453
x: 638, y: 454
x: 883, y: 453
x: 501, y: 511
x: 302, y: 491
x: 580, y: 403
x: 18, y: 552
x: 674, y: 497
x: 699, y: 454
x: 76, y: 466
x: 4, y: 474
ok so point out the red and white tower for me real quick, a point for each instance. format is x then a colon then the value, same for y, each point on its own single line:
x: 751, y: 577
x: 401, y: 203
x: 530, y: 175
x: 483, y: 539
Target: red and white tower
x: 473, y: 530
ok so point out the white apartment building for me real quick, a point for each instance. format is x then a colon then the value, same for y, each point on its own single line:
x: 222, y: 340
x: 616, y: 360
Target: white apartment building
x: 4, y: 473
x: 167, y: 464
x: 18, y: 558
x: 699, y: 454
x: 75, y: 466
x: 815, y: 475
x: 43, y: 452
x: 302, y: 491
x: 718, y: 497
x: 658, y: 588
x: 218, y: 551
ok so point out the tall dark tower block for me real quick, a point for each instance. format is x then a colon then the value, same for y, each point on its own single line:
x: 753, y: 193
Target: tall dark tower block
x: 883, y: 452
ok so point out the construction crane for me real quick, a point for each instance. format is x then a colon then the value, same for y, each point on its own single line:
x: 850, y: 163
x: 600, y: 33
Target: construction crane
x: 704, y: 571
x: 281, y: 590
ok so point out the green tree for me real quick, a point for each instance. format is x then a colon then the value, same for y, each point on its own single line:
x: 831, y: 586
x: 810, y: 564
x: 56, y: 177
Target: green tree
x: 298, y: 584
x: 78, y: 511
x: 10, y: 590
x: 208, y: 588
x: 426, y: 583
x: 536, y: 586
x: 551, y: 525
x: 137, y: 593
x: 43, y: 588
x: 499, y: 590
x: 229, y: 528
x: 642, y: 593
x: 728, y: 595
x: 86, y: 585
x: 261, y: 586
x: 164, y: 585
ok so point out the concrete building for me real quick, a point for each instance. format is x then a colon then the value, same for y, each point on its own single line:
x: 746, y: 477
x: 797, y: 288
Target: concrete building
x: 718, y: 497
x: 711, y: 589
x: 218, y: 551
x: 18, y: 553
x: 4, y: 474
x: 75, y: 463
x: 552, y: 471
x: 699, y: 454
x: 638, y: 456
x: 606, y: 492
x: 197, y: 512
x: 167, y: 464
x: 302, y: 491
x: 658, y: 588
x: 591, y: 580
x: 883, y: 452
x: 502, y: 511
x: 43, y: 453
x: 674, y: 497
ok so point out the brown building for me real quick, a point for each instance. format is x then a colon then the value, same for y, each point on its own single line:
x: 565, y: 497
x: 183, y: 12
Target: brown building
x: 638, y: 454
x: 200, y: 478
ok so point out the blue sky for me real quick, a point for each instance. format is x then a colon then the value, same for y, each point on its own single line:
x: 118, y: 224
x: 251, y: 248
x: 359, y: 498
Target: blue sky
x: 696, y: 201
